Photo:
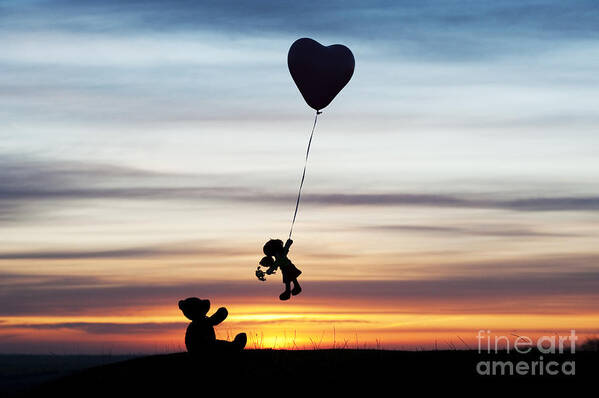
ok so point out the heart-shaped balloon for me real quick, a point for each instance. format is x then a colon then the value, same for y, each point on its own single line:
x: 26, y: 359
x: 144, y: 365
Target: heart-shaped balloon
x: 319, y: 72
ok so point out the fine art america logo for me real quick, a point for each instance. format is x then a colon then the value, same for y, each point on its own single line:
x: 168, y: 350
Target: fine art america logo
x: 528, y: 365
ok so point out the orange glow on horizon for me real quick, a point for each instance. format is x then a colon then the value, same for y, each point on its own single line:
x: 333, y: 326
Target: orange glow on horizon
x: 297, y: 327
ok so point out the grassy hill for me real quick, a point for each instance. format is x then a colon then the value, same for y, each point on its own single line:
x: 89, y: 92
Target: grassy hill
x: 21, y: 371
x: 262, y: 370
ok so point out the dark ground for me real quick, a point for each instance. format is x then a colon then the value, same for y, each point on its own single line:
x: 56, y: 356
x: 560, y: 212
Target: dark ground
x: 18, y: 372
x: 311, y: 370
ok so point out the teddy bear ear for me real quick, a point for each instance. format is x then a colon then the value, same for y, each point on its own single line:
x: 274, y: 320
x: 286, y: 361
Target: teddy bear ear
x: 206, y: 304
x: 186, y: 301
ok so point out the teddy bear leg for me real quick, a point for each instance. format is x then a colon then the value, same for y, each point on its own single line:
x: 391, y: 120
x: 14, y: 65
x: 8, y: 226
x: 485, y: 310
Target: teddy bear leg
x: 236, y: 345
x: 240, y: 341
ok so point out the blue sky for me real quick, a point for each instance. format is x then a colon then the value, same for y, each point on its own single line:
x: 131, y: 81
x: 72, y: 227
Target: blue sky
x: 169, y: 136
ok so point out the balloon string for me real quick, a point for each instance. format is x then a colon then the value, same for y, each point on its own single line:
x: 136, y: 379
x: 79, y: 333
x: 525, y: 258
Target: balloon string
x: 299, y: 192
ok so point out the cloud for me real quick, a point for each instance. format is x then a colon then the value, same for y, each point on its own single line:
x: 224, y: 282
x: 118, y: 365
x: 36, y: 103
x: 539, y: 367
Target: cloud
x: 60, y: 294
x: 133, y: 252
x: 584, y: 203
x: 476, y: 230
x: 24, y: 176
x: 437, y: 27
x: 28, y: 187
x: 31, y: 281
x: 550, y: 264
x: 104, y: 327
x: 196, y: 248
x: 153, y: 328
x: 571, y: 282
x: 307, y: 319
x: 120, y: 63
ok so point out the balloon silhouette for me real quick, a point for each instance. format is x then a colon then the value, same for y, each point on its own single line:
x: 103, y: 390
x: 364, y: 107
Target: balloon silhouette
x: 319, y: 72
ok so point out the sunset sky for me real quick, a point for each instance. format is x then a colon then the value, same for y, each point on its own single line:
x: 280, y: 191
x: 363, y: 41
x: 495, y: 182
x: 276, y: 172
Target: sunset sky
x: 148, y: 149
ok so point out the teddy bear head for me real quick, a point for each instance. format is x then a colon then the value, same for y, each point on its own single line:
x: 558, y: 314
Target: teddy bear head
x: 194, y: 308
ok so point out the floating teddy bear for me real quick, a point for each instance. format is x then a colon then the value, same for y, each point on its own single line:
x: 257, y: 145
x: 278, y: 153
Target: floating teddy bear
x: 200, y: 336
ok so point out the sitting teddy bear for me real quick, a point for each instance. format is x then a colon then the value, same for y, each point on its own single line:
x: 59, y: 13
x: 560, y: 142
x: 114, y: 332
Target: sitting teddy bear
x: 200, y: 336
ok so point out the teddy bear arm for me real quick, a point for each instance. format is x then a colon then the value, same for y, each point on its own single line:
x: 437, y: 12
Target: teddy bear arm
x: 219, y: 316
